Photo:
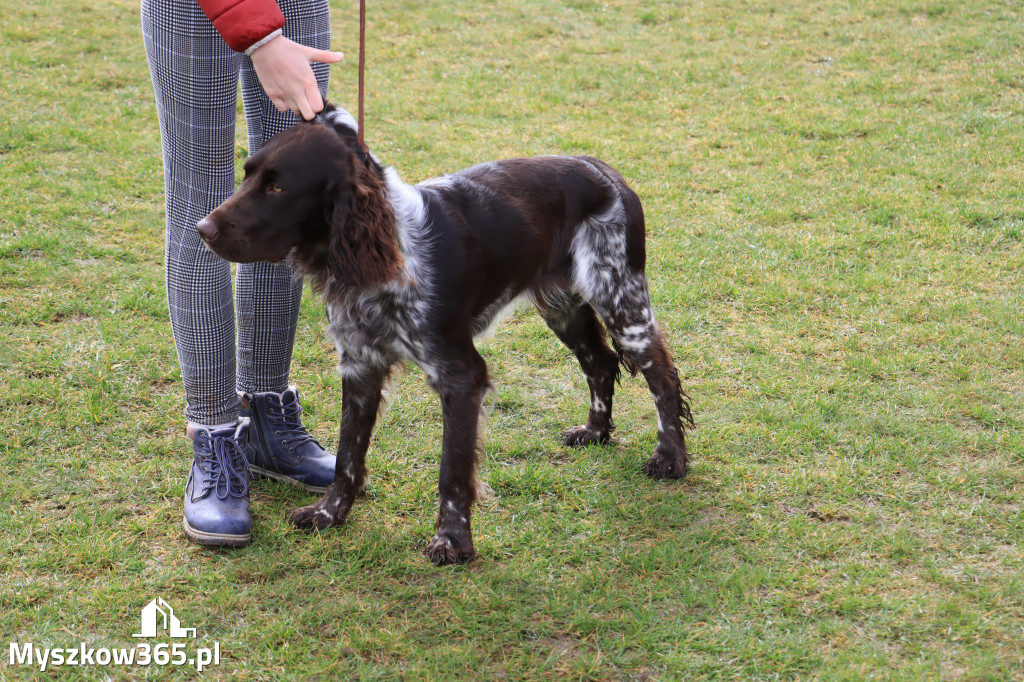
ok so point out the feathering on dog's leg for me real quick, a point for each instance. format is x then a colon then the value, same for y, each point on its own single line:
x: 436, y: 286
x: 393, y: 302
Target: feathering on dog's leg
x: 670, y: 458
x: 643, y: 347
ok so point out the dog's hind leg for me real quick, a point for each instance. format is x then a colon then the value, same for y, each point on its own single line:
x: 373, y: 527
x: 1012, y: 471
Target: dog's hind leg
x: 608, y: 254
x: 460, y: 382
x: 576, y: 325
x: 360, y: 402
x: 643, y: 349
x: 670, y: 459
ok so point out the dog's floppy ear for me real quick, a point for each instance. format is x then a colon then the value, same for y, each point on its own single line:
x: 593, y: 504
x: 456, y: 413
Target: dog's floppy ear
x: 363, y: 246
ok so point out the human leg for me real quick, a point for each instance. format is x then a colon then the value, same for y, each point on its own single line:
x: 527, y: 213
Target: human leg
x: 269, y: 296
x: 195, y: 80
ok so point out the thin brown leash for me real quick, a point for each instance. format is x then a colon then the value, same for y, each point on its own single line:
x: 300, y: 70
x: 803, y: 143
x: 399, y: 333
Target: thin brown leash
x: 362, y: 69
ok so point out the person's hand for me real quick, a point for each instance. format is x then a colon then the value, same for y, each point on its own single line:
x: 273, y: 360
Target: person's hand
x: 283, y: 67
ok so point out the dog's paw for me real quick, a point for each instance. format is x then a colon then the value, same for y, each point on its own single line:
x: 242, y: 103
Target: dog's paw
x: 447, y: 549
x: 661, y: 465
x: 581, y: 437
x: 321, y: 515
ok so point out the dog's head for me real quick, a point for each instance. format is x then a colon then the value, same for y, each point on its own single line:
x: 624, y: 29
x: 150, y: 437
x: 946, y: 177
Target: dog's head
x: 313, y: 195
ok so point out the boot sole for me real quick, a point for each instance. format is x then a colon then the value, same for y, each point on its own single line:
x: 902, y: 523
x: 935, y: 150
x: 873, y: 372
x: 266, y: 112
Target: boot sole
x: 215, y: 539
x: 273, y: 475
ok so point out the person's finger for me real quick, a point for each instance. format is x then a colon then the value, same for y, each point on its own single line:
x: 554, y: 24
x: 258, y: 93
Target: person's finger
x: 315, y: 99
x: 325, y: 56
x: 304, y: 109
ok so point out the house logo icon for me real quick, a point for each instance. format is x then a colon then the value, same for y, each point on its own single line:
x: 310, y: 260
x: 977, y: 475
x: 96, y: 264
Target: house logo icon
x: 159, y: 614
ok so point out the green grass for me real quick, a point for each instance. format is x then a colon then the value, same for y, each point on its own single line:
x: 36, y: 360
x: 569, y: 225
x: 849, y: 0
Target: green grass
x: 835, y: 228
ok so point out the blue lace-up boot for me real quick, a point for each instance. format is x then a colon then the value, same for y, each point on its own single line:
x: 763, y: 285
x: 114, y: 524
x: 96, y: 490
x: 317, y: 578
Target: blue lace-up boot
x: 217, y: 492
x: 281, y: 448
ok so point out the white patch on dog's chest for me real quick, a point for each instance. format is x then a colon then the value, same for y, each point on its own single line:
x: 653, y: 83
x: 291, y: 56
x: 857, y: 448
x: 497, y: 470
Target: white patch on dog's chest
x: 379, y: 329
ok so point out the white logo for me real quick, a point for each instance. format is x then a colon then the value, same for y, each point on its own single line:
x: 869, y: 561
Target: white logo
x: 167, y: 620
x: 157, y: 616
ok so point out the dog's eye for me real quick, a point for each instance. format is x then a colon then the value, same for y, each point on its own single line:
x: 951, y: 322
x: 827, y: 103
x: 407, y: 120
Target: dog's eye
x: 274, y: 188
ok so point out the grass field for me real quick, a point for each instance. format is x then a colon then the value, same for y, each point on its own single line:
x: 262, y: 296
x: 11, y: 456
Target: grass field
x: 835, y: 227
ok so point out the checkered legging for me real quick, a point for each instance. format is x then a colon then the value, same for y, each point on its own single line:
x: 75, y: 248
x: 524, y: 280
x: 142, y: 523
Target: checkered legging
x: 195, y: 76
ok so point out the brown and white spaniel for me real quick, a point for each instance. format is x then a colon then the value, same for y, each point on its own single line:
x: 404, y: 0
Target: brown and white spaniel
x: 414, y: 273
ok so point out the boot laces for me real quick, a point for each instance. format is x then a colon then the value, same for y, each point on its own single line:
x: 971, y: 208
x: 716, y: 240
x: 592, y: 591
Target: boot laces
x: 293, y: 434
x: 224, y: 469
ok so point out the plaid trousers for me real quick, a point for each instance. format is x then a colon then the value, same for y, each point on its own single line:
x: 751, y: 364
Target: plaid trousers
x: 195, y: 79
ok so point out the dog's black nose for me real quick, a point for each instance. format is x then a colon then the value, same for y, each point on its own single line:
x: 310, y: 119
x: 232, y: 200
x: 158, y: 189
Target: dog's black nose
x: 207, y: 230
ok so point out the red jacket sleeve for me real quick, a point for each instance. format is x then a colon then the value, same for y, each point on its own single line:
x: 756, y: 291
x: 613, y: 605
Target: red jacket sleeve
x: 243, y: 22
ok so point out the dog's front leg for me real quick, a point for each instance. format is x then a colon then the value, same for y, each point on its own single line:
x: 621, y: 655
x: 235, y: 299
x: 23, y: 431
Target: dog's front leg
x: 360, y: 401
x: 461, y: 395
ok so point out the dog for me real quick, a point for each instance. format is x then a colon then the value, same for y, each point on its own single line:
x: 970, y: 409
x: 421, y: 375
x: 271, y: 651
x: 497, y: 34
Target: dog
x: 415, y: 273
